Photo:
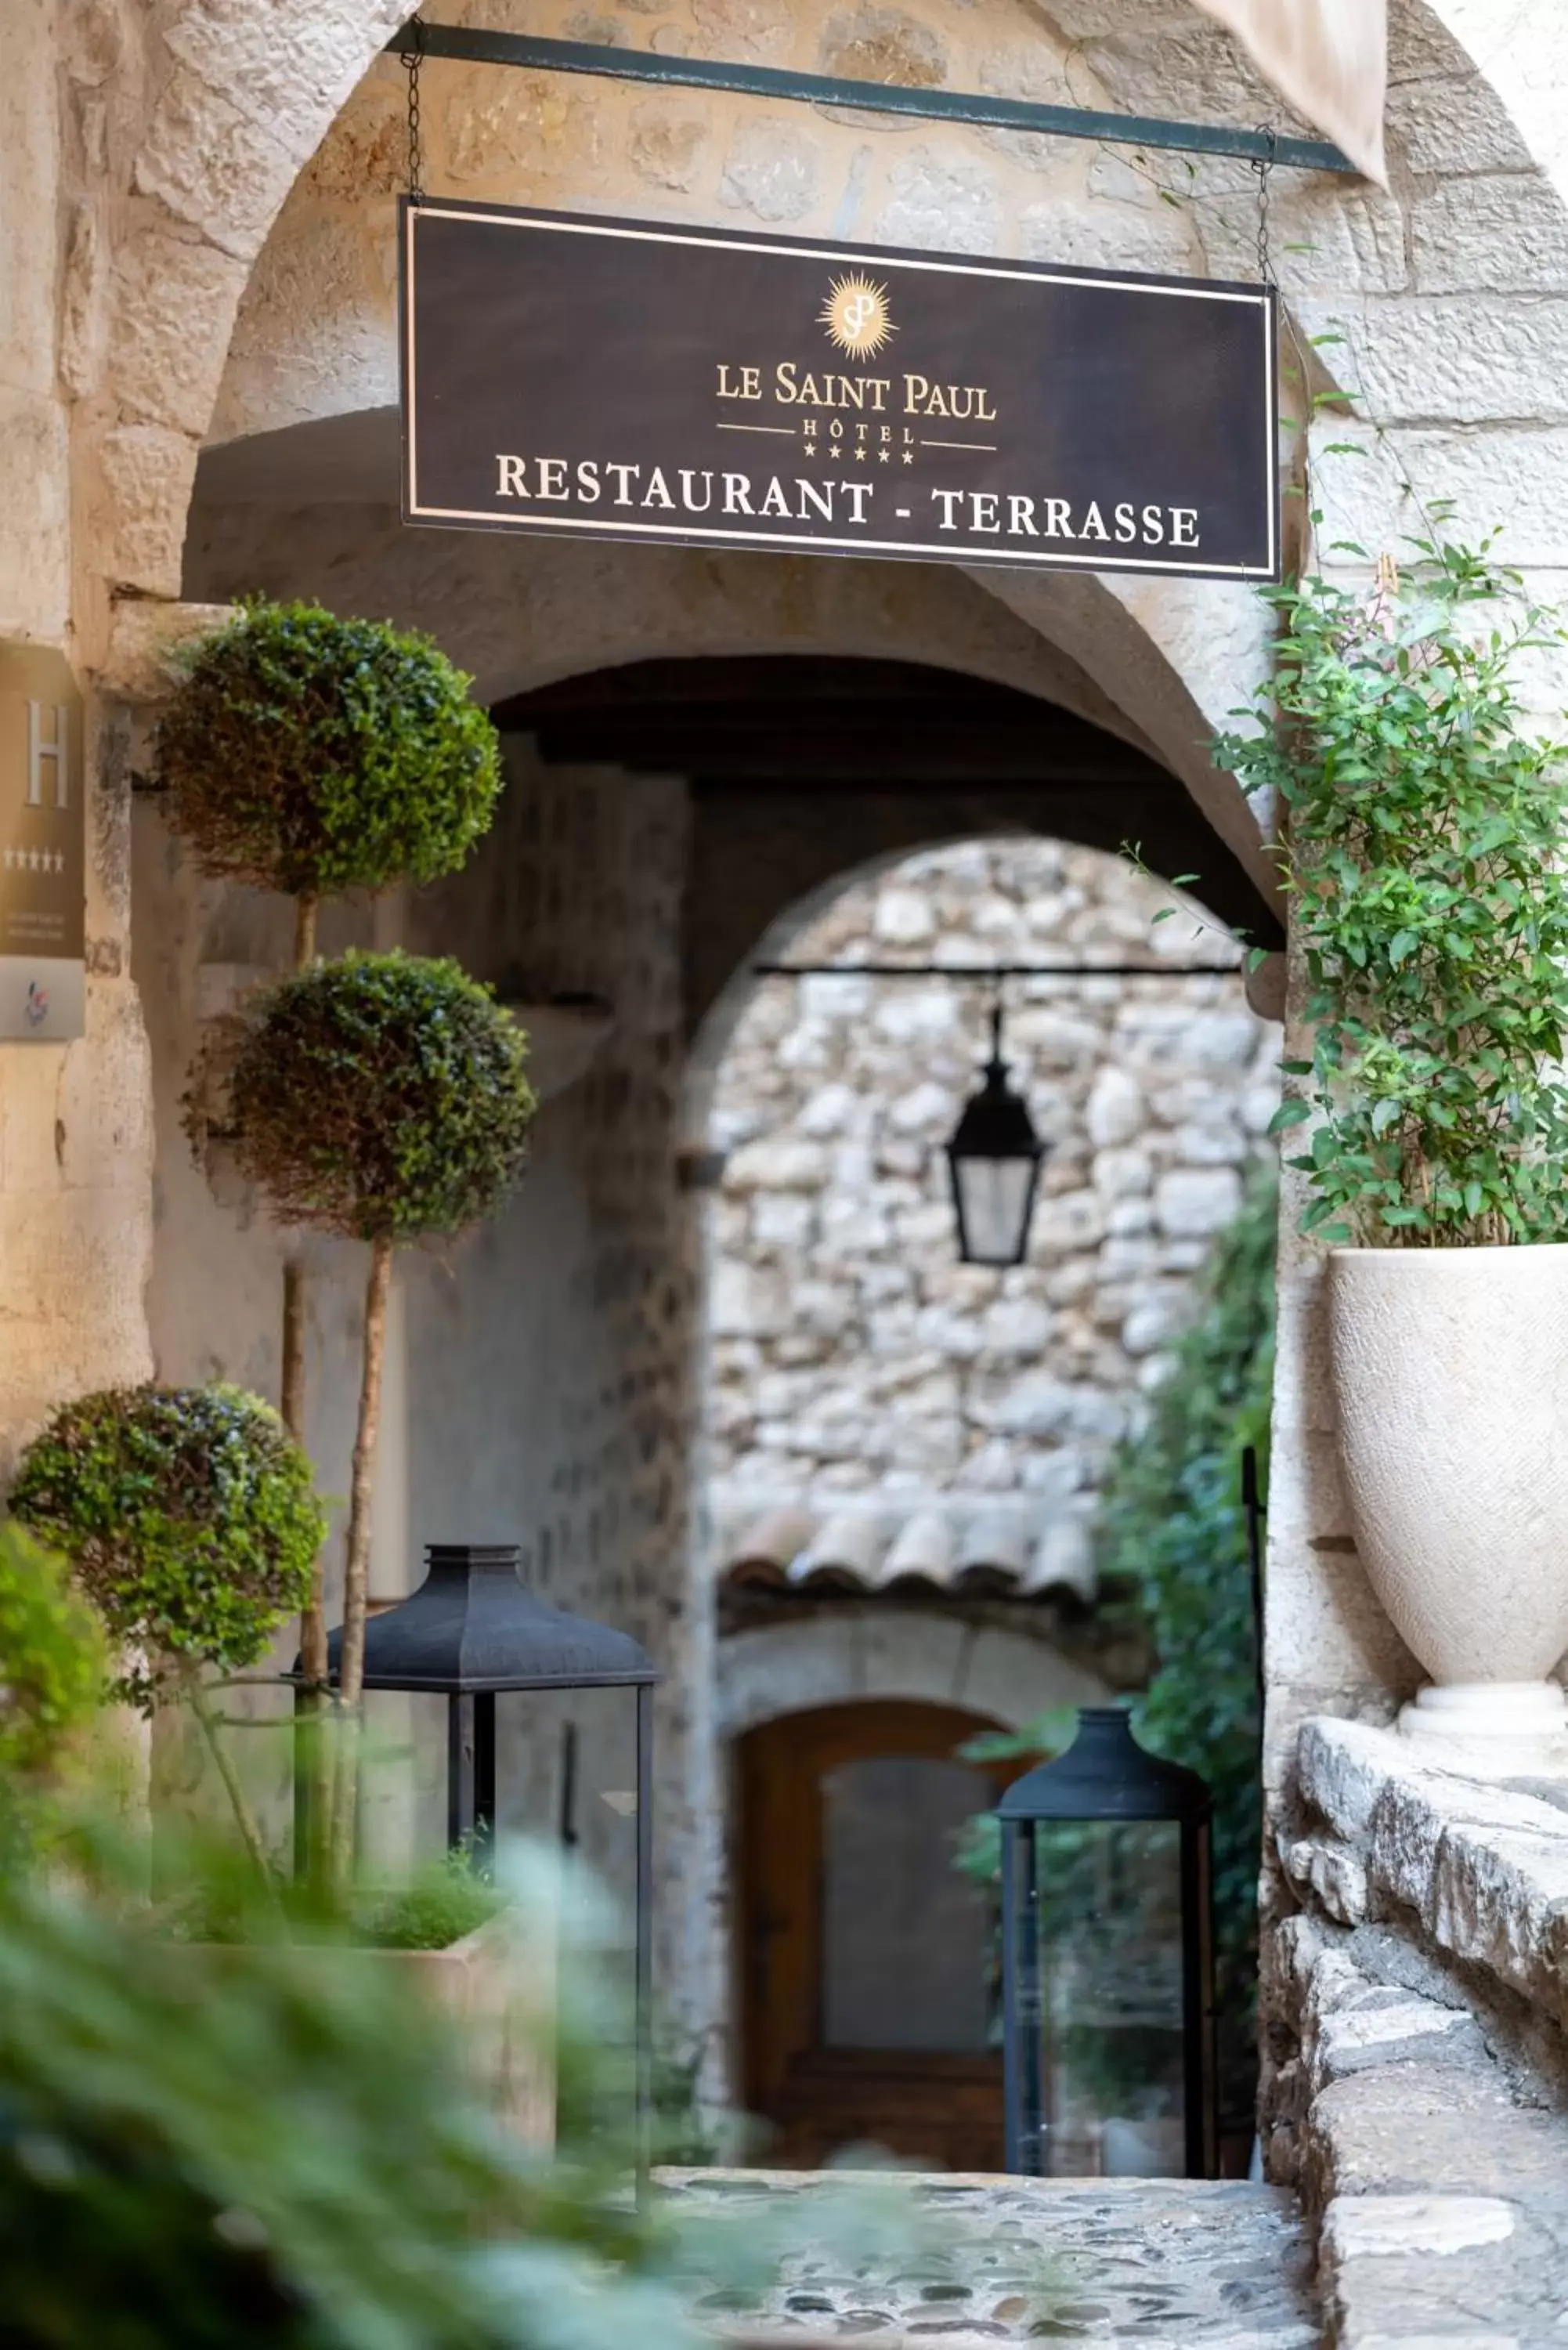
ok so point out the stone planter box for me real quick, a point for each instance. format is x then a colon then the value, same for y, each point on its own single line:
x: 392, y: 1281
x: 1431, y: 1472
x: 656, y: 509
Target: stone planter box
x: 498, y: 1987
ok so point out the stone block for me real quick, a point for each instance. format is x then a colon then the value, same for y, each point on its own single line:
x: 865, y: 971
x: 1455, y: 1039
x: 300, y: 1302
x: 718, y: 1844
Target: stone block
x: 1471, y: 358
x: 939, y: 205
x: 541, y: 125
x: 1452, y: 128
x: 175, y: 299
x: 1116, y: 1110
x: 213, y: 166
x: 1504, y: 234
x: 148, y: 473
x: 290, y: 84
x: 1193, y: 1202
x: 777, y: 1164
x: 745, y: 28
x: 1109, y: 236
x: 773, y: 169
x: 1122, y: 1174
x: 668, y: 142
x: 881, y: 43
x: 34, y: 517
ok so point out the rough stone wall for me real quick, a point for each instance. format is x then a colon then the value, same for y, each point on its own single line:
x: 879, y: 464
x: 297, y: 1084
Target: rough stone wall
x: 852, y: 1353
x: 551, y: 1362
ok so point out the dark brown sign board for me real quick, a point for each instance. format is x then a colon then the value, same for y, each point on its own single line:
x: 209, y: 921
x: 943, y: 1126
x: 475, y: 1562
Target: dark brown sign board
x: 620, y: 379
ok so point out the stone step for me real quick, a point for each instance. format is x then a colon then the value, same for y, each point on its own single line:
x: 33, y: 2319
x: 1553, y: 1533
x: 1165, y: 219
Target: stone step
x: 1149, y: 2264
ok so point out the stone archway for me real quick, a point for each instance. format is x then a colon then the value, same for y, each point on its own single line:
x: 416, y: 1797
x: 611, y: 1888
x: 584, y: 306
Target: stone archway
x: 883, y: 1651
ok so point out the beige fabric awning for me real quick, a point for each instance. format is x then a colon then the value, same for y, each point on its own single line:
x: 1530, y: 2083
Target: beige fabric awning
x: 1328, y: 57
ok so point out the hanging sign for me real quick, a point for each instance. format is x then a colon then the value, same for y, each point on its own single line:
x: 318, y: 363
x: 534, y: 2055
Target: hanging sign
x: 43, y: 847
x: 605, y: 379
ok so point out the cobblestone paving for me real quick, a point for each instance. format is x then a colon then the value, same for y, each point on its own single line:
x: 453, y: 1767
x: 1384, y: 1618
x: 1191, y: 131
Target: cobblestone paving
x: 1149, y: 2263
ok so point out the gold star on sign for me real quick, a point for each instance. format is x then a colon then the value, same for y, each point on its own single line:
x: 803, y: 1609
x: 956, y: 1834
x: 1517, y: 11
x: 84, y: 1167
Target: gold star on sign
x: 836, y: 453
x: 909, y: 456
x: 810, y: 447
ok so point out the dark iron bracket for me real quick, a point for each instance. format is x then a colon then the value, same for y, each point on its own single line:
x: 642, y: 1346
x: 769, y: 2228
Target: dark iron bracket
x: 476, y: 45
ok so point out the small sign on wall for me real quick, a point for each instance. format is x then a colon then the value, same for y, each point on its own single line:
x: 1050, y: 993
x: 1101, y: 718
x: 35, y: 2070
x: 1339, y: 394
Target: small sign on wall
x: 43, y: 849
x: 617, y: 380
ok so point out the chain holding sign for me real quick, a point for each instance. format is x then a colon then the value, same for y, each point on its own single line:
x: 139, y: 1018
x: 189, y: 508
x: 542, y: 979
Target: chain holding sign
x: 705, y: 388
x: 43, y: 847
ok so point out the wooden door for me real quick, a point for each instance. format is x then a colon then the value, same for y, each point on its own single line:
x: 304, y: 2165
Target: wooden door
x: 867, y: 1957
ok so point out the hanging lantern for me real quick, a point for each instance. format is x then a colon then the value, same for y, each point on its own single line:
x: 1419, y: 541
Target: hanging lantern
x: 994, y: 1159
x: 1108, y: 1966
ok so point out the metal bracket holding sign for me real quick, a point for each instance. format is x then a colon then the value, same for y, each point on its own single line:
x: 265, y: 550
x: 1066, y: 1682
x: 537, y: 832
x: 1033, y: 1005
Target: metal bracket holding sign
x: 617, y: 380
x: 536, y: 53
x: 43, y: 849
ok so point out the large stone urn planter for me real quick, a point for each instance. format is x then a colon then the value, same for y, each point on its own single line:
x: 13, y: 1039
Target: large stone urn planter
x: 1451, y: 1372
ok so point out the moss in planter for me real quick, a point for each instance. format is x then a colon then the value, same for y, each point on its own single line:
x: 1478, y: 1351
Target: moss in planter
x: 445, y: 1904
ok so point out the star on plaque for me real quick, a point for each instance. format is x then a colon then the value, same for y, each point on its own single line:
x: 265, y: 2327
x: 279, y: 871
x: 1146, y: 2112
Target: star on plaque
x: 884, y: 456
x: 836, y: 453
x: 810, y: 447
x: 909, y: 456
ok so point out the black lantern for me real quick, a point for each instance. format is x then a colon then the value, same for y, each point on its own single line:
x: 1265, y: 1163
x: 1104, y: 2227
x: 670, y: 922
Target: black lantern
x: 994, y: 1158
x: 471, y: 1632
x: 1107, y: 1962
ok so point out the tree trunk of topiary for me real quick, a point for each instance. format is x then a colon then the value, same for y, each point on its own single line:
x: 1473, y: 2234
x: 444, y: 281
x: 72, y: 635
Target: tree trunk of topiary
x: 313, y: 1759
x: 356, y: 1565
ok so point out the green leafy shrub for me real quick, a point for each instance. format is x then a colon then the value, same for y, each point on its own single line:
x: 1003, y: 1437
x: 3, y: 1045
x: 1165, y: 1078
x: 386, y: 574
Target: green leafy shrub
x: 1425, y: 824
x: 188, y: 1518
x: 1172, y: 1530
x: 383, y: 1097
x: 261, y: 2147
x: 53, y: 1659
x: 1173, y: 1525
x: 312, y: 754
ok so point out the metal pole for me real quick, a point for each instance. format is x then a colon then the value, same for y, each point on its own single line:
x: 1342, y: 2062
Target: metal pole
x: 1253, y: 1504
x: 644, y: 2015
x: 484, y: 1782
x: 460, y: 1787
x: 1200, y: 2085
x: 476, y: 45
x: 1021, y: 2003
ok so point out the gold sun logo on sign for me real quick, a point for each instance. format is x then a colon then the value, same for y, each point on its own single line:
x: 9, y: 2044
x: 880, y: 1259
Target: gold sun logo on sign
x: 855, y: 315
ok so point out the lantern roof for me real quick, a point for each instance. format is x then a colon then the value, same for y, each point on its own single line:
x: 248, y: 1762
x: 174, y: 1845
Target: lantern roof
x: 473, y: 1625
x: 1106, y: 1774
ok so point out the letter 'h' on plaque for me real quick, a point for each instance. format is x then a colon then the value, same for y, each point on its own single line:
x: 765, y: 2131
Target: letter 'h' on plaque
x: 59, y: 751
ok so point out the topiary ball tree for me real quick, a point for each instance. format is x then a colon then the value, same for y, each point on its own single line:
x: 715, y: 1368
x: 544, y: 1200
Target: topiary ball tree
x: 314, y: 755
x: 384, y: 1098
x: 190, y: 1520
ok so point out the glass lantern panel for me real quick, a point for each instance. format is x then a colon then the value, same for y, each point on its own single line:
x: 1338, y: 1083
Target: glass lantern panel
x: 994, y: 1204
x: 1106, y: 2066
x: 904, y: 1931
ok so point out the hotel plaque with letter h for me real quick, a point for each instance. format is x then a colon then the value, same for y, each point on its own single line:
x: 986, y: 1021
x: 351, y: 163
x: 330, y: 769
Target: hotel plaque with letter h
x: 43, y: 847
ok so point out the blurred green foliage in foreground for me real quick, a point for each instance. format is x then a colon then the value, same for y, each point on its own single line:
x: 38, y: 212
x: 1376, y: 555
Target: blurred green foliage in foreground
x: 272, y: 2140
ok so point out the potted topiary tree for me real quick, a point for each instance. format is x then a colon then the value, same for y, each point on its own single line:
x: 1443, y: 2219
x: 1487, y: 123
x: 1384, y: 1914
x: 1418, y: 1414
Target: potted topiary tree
x: 190, y: 1522
x: 383, y: 1098
x: 316, y: 755
x: 1424, y: 855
